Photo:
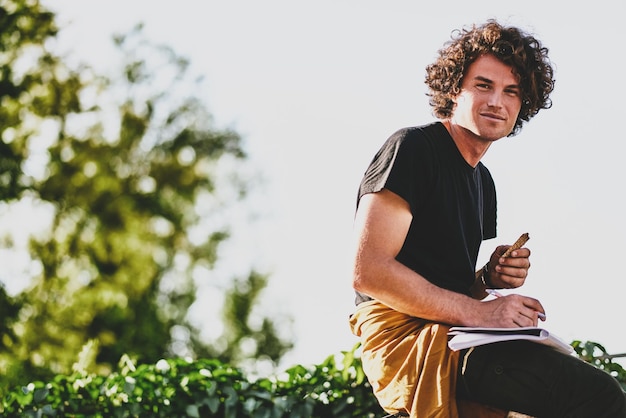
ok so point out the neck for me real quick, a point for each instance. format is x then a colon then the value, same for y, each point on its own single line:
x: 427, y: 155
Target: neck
x: 471, y: 146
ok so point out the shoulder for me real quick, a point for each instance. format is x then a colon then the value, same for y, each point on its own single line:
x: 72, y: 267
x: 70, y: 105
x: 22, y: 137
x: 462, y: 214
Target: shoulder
x: 427, y: 132
x: 418, y: 139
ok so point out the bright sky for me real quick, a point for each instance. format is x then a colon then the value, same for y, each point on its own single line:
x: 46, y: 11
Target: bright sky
x: 315, y: 88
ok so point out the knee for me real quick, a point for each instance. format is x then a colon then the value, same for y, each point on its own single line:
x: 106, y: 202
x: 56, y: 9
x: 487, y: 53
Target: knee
x: 617, y: 398
x: 610, y: 396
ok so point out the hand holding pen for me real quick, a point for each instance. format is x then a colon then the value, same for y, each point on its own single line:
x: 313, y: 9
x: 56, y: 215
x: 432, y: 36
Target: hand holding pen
x: 497, y: 294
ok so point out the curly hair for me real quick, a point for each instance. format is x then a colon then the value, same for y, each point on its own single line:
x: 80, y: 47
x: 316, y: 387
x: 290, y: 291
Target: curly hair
x: 511, y: 46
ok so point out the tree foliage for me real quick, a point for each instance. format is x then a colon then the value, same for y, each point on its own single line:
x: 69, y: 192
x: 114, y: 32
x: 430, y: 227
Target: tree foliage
x: 131, y: 172
x: 22, y: 28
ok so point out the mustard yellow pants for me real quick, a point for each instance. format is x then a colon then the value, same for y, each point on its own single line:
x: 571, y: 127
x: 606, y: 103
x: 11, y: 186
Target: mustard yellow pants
x: 409, y: 365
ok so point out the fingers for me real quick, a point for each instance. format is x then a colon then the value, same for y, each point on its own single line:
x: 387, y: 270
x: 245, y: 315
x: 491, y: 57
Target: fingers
x: 534, y: 310
x: 512, y: 271
x: 530, y: 318
x: 506, y: 251
x: 518, y: 311
x: 518, y: 258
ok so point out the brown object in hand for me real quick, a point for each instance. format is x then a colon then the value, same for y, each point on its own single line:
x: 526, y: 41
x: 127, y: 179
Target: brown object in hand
x: 517, y: 245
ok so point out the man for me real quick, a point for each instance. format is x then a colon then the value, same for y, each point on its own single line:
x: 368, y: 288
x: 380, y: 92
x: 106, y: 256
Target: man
x: 425, y: 204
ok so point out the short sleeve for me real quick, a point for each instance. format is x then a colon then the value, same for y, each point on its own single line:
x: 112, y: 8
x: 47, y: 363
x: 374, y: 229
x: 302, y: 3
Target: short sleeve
x: 402, y: 165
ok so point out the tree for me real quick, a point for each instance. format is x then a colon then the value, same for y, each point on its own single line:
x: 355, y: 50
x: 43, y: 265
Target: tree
x: 9, y: 309
x: 243, y: 343
x: 22, y: 28
x: 132, y: 163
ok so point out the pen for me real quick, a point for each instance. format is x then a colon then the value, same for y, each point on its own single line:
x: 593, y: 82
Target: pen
x: 497, y: 294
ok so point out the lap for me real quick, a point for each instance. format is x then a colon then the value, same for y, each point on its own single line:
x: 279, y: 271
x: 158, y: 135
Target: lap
x: 537, y: 380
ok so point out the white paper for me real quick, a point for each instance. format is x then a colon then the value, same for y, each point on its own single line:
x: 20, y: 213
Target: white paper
x: 465, y: 337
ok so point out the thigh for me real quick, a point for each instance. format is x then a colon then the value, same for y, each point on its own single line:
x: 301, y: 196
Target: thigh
x: 534, y: 379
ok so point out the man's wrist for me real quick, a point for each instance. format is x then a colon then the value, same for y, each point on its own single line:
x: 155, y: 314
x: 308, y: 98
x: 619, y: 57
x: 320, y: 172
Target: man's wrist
x: 484, y: 277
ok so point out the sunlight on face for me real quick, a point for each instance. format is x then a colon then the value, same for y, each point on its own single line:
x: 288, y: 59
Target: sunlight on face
x: 489, y: 101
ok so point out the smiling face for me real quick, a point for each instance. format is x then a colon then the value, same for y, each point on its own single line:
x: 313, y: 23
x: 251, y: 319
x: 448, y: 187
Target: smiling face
x: 489, y: 101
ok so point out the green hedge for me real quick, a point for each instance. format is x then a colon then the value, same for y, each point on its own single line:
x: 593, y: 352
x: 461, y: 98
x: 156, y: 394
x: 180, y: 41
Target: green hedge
x: 201, y: 388
x: 336, y: 388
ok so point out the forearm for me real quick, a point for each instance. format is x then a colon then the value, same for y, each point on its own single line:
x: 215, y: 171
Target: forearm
x: 381, y: 226
x: 402, y: 289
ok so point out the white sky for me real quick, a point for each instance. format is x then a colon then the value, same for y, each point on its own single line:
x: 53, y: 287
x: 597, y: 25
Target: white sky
x: 315, y: 88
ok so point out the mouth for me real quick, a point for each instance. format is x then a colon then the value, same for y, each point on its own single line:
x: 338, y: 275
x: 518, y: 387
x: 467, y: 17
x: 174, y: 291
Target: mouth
x: 493, y: 116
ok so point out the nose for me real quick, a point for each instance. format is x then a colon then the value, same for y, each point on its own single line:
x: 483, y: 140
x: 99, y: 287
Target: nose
x: 495, y: 99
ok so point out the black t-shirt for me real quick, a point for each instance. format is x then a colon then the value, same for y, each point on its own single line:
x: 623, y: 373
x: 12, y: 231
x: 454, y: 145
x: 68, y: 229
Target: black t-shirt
x: 453, y: 204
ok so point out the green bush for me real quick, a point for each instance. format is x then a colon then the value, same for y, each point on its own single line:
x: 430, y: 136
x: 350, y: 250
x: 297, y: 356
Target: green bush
x: 201, y: 388
x: 336, y: 388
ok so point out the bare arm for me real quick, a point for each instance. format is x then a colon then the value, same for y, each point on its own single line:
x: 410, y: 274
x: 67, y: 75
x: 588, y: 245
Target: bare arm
x: 381, y: 224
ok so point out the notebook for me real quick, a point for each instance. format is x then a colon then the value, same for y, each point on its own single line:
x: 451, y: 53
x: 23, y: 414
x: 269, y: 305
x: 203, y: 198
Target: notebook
x: 465, y: 337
